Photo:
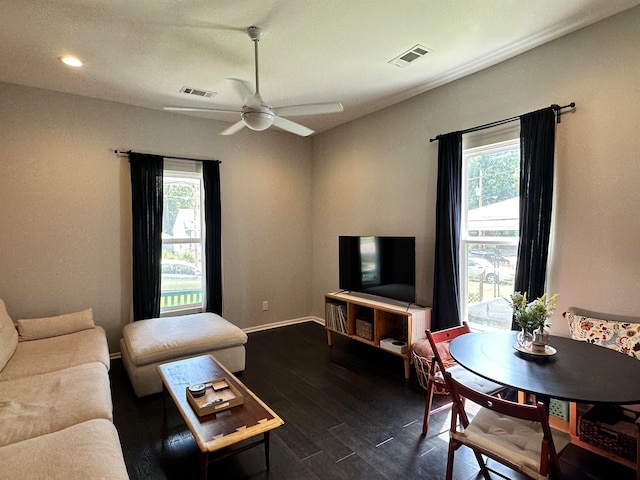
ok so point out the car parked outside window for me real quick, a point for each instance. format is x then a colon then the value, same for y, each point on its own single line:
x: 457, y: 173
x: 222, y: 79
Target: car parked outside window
x: 481, y: 269
x: 178, y: 275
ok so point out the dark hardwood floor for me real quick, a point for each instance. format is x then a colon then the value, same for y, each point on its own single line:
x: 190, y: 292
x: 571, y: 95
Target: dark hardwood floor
x: 348, y: 413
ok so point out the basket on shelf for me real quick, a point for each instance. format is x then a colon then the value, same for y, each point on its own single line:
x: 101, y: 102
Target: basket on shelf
x: 364, y: 329
x: 610, y: 428
x: 559, y: 408
x: 423, y: 367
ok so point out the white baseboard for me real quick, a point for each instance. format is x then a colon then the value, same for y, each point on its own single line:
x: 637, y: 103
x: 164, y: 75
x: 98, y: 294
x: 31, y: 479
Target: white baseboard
x: 259, y: 328
x: 283, y: 323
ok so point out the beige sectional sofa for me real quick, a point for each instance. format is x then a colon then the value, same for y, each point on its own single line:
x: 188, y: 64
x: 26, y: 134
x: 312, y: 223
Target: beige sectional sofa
x: 56, y: 410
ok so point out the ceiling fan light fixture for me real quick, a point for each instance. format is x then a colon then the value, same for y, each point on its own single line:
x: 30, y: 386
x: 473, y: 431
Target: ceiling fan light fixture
x: 257, y: 121
x: 255, y: 114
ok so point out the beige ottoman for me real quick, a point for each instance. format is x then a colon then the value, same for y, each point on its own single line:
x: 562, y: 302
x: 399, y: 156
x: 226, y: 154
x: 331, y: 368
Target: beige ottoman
x: 146, y: 344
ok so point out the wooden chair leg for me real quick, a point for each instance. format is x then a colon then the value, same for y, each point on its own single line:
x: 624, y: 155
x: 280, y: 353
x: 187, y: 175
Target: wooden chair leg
x: 427, y: 407
x: 483, y: 466
x: 555, y: 472
x: 453, y: 446
x: 450, y: 454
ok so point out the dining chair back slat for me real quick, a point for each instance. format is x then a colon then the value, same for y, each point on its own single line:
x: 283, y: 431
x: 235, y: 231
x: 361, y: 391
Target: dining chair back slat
x: 442, y: 361
x: 516, y: 435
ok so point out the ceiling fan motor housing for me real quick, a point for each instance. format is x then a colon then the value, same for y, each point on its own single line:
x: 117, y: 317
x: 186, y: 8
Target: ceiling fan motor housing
x: 255, y: 33
x: 257, y: 120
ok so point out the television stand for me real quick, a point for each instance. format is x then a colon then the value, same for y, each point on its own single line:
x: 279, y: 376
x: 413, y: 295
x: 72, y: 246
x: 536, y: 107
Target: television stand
x: 376, y: 321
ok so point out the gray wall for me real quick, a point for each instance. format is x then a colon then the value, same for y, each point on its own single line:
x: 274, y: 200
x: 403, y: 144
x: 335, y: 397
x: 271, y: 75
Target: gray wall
x: 65, y: 208
x: 377, y: 175
x: 65, y: 242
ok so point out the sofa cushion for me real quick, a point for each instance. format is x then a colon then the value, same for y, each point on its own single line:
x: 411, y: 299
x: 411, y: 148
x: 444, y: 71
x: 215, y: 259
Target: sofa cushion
x: 89, y: 449
x: 50, y: 354
x: 37, y: 328
x: 8, y: 336
x: 158, y: 339
x: 623, y: 337
x: 41, y: 404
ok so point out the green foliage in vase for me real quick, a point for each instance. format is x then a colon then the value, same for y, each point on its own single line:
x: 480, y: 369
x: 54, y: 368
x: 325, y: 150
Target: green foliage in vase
x: 532, y: 316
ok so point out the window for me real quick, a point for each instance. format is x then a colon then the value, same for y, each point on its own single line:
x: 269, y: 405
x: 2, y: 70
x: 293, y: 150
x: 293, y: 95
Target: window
x: 489, y: 232
x: 182, y: 279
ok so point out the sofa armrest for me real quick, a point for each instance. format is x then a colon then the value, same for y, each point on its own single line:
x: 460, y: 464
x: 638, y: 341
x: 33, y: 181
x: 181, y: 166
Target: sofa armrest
x: 37, y: 328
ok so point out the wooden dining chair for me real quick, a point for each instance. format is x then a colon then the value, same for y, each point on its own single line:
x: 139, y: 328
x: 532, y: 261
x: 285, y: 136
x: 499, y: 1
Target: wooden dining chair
x: 442, y: 361
x: 513, y: 434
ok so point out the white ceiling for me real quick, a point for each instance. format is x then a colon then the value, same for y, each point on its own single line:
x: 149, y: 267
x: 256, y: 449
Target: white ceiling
x: 142, y: 52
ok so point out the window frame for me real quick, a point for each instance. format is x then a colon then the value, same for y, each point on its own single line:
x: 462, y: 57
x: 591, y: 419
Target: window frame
x: 184, y: 169
x: 465, y: 238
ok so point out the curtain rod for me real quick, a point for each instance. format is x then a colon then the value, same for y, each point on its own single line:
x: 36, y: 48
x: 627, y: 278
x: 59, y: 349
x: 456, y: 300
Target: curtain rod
x: 122, y: 153
x: 556, y: 107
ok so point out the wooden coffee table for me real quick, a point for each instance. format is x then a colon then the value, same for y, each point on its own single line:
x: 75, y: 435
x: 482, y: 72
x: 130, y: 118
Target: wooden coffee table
x: 222, y: 429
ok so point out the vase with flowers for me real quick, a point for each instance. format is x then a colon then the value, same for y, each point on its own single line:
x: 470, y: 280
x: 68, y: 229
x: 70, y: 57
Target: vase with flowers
x: 532, y: 318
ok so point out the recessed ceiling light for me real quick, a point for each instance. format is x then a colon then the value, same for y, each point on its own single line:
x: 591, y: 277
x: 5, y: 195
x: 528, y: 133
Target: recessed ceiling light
x: 71, y: 61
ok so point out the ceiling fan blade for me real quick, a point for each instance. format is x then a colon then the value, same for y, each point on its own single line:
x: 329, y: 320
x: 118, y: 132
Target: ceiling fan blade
x: 241, y: 89
x: 310, y: 109
x: 254, y: 101
x: 236, y: 127
x: 203, y: 110
x: 200, y: 24
x: 292, y: 127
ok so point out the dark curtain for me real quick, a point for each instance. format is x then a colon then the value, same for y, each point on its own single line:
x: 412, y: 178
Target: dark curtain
x: 446, y: 292
x: 537, y: 145
x: 146, y: 203
x: 213, y: 235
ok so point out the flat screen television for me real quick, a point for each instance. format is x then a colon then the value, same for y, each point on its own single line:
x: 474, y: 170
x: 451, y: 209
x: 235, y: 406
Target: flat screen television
x: 383, y: 266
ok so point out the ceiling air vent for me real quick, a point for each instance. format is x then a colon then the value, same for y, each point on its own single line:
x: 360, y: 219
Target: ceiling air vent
x: 197, y: 92
x: 409, y: 56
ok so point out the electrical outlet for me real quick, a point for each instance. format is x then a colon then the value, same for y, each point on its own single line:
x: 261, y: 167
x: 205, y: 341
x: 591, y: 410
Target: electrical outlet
x: 265, y: 306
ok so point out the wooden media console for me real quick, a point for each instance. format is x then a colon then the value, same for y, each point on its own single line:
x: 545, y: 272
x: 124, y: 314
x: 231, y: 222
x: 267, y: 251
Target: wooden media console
x: 377, y: 321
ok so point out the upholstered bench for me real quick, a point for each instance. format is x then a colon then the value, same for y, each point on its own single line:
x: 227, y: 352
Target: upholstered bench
x: 619, y: 433
x: 148, y: 343
x: 621, y: 336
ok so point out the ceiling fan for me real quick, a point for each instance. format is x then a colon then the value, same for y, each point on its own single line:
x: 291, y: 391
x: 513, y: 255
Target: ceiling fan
x: 256, y: 114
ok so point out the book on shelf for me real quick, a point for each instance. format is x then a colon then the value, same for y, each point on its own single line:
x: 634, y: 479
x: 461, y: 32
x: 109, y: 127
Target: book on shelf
x: 336, y: 317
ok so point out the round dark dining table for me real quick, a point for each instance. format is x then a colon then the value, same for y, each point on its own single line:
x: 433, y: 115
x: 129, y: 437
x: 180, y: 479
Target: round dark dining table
x: 578, y: 371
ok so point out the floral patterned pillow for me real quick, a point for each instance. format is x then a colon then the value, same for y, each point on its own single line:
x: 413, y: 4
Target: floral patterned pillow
x: 623, y: 337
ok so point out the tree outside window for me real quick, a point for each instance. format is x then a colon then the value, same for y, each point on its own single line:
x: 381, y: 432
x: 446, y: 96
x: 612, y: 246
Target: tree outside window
x: 489, y: 232
x: 182, y: 279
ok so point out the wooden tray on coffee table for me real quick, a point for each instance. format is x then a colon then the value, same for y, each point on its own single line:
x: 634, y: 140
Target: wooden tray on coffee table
x: 219, y: 395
